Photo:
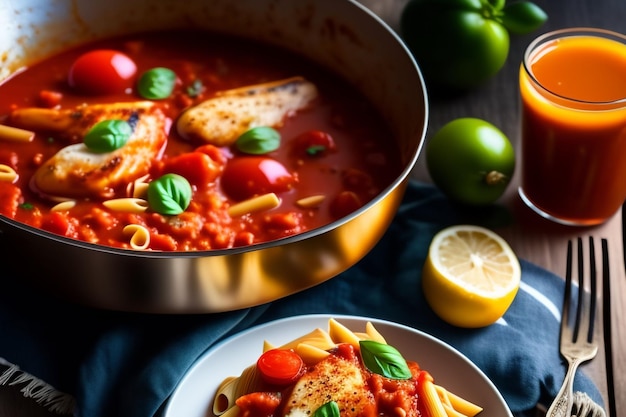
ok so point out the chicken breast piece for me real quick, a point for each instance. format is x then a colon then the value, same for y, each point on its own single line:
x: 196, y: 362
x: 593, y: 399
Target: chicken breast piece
x: 77, y: 172
x: 221, y: 119
x: 332, y: 379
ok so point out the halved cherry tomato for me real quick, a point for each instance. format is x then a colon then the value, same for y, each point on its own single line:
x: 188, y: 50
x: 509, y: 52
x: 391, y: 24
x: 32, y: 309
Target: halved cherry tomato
x: 58, y: 223
x: 197, y: 167
x: 280, y: 366
x: 245, y: 177
x: 102, y: 71
x: 313, y: 143
x: 49, y: 98
x: 259, y: 404
x: 215, y: 153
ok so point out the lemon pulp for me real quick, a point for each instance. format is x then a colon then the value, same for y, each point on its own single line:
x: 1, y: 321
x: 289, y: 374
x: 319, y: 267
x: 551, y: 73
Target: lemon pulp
x: 471, y: 276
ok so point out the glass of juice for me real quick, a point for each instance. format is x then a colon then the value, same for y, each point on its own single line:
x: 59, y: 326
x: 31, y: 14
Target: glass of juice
x: 573, y: 125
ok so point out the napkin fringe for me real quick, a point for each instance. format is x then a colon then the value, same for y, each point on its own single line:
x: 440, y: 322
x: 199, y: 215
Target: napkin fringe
x: 36, y: 389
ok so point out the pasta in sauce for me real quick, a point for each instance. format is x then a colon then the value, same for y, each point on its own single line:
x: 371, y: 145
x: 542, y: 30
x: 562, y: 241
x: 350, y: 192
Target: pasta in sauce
x: 187, y: 104
x: 336, y: 372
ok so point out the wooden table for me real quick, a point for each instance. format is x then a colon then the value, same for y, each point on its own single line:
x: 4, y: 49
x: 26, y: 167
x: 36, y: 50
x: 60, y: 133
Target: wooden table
x: 532, y: 237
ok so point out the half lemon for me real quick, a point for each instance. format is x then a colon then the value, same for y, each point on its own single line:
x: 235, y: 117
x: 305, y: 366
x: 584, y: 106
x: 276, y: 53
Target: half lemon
x: 471, y: 276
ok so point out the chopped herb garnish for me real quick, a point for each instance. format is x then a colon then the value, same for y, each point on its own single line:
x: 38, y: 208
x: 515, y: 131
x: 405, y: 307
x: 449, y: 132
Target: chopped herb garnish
x: 315, y: 149
x: 195, y: 89
x: 26, y: 206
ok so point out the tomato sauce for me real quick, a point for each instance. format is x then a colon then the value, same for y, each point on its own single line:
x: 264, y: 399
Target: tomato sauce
x: 338, y: 147
x: 573, y: 129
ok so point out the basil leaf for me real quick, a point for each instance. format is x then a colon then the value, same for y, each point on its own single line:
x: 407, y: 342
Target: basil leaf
x: 330, y: 409
x: 108, y: 135
x: 156, y: 83
x: 384, y: 360
x: 169, y: 194
x: 258, y: 140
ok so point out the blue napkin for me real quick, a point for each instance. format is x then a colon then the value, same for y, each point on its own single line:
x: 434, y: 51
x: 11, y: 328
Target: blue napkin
x: 122, y: 364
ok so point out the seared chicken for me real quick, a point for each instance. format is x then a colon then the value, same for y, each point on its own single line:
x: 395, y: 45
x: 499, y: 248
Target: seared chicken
x: 221, y: 119
x: 77, y: 172
x: 333, y: 379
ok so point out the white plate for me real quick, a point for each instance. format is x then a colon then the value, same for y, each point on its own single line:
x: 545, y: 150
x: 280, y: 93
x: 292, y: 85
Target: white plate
x: 194, y: 395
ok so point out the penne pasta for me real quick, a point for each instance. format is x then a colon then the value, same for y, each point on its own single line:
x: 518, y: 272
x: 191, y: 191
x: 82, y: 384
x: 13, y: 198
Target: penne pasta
x: 443, y: 395
x: 267, y: 346
x: 37, y: 118
x: 370, y: 334
x: 341, y: 334
x: 451, y: 412
x: 373, y: 333
x: 255, y: 204
x: 139, y: 236
x: 311, y: 354
x: 7, y: 174
x: 64, y: 205
x: 311, y: 201
x: 431, y: 399
x: 15, y: 134
x: 138, y: 188
x: 129, y: 204
x: 233, y: 388
x: 462, y: 405
x: 318, y: 338
x: 233, y: 411
x: 224, y: 397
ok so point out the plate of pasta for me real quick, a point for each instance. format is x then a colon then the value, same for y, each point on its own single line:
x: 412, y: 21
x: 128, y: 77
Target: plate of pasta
x: 334, y: 366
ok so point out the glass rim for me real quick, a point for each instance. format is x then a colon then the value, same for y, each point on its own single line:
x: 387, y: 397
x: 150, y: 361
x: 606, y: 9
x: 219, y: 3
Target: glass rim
x: 564, y: 33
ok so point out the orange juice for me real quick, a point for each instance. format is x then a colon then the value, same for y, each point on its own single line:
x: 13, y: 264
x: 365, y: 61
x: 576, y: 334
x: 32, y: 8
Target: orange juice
x: 573, y: 145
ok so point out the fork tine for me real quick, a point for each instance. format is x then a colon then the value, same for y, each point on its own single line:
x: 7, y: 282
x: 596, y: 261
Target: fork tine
x: 586, y: 301
x: 593, y: 288
x: 581, y: 287
x: 565, y: 312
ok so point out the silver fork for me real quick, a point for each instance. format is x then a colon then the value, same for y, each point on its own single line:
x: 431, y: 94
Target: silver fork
x: 576, y: 344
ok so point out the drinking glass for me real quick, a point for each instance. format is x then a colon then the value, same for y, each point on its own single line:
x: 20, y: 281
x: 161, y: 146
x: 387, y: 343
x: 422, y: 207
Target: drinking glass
x: 573, y: 125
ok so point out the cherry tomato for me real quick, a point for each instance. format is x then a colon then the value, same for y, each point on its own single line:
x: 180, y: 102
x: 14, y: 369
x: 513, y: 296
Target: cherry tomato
x: 58, y: 223
x: 258, y: 403
x: 245, y: 177
x: 313, y: 143
x: 471, y: 161
x: 102, y: 71
x: 280, y: 366
x: 197, y: 167
x: 344, y: 203
x: 460, y: 44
